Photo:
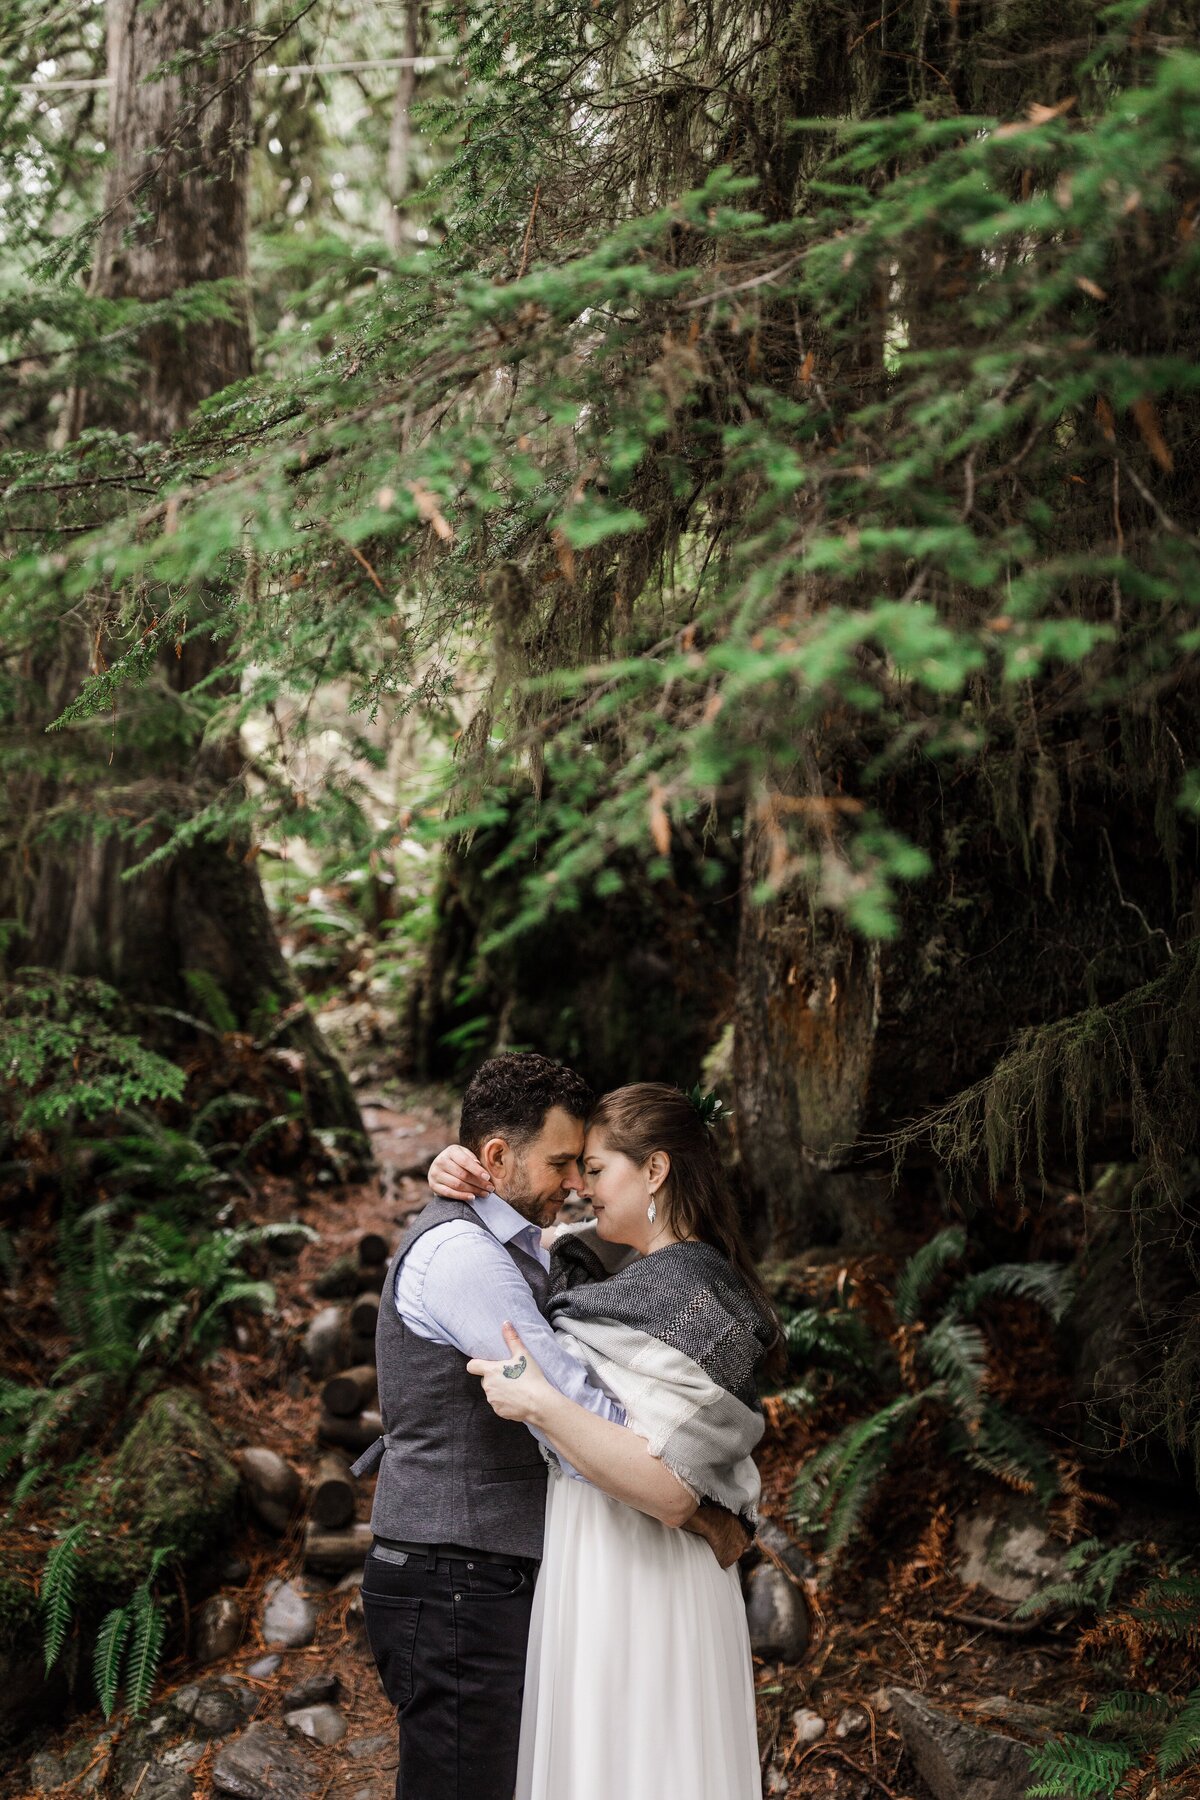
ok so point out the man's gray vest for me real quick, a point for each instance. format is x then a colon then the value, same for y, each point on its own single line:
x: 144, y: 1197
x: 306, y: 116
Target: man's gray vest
x: 450, y: 1471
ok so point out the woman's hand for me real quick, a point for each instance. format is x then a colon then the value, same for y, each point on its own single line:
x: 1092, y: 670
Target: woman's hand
x: 516, y: 1388
x: 456, y: 1174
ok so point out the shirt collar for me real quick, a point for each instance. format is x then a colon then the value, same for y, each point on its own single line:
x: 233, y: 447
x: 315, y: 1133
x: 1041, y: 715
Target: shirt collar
x: 502, y: 1220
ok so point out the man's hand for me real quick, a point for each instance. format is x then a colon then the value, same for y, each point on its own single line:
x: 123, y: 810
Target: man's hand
x: 722, y: 1531
x: 457, y: 1175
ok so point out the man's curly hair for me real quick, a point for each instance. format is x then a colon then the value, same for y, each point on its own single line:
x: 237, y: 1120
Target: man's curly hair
x: 509, y: 1097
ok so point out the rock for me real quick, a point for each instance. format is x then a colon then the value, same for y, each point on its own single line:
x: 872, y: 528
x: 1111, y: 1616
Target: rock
x: 46, y: 1772
x: 234, y: 1572
x: 958, y: 1761
x: 162, y: 1774
x: 880, y: 1702
x: 340, y: 1281
x: 772, y: 1537
x: 1008, y: 1552
x: 288, y: 1617
x: 853, y: 1722
x: 263, y: 1667
x: 313, y: 1691
x: 87, y: 1763
x: 219, y: 1626
x: 324, y: 1724
x: 270, y: 1484
x: 219, y: 1711
x: 809, y: 1726
x: 350, y: 1390
x: 379, y: 1744
x: 323, y: 1341
x: 349, y: 1583
x: 264, y: 1763
x: 777, y: 1614
x: 171, y: 1482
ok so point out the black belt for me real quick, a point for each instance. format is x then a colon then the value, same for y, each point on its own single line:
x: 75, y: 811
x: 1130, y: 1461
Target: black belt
x: 457, y: 1553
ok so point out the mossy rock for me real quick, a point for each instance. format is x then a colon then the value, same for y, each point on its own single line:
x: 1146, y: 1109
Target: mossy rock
x: 170, y: 1486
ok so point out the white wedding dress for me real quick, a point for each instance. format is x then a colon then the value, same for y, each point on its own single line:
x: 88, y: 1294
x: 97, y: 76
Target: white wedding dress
x: 638, y: 1683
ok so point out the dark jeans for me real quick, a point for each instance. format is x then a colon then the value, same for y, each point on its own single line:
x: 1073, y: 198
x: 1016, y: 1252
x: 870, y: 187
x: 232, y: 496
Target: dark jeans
x: 449, y: 1643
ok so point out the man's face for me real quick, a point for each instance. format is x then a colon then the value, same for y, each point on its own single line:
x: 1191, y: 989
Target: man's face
x: 539, y: 1177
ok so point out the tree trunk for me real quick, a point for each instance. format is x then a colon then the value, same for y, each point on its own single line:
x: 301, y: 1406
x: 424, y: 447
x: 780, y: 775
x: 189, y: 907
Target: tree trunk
x: 839, y: 1041
x: 174, y: 218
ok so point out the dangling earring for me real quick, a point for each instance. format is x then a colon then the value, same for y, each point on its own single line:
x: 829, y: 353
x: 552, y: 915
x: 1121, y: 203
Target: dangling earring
x: 652, y: 1210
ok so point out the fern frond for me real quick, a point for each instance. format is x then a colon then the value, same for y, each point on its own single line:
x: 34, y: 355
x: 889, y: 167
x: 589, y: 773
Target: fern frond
x: 834, y: 1488
x: 1051, y: 1285
x: 1078, y: 1768
x: 56, y: 1592
x: 1092, y: 1574
x: 1133, y: 1713
x: 837, y: 1340
x: 957, y: 1354
x: 145, y: 1652
x: 923, y: 1268
x: 1004, y: 1447
x: 106, y: 1664
x: 1181, y: 1740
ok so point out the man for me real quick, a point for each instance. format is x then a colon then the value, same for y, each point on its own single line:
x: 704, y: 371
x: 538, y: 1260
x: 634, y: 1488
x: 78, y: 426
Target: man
x: 460, y: 1503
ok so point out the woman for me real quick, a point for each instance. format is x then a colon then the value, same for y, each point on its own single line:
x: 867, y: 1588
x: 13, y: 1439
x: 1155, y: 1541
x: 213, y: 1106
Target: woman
x: 639, y: 1680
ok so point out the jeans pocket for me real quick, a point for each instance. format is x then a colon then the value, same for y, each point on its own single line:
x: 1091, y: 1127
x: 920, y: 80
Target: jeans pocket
x: 391, y: 1621
x: 494, y: 1581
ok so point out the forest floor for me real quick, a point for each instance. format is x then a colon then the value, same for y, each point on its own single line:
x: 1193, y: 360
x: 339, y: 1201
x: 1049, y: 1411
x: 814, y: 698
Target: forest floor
x: 897, y: 1616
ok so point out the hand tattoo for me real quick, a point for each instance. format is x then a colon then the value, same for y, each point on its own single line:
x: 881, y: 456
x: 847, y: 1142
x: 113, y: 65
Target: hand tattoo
x: 514, y: 1370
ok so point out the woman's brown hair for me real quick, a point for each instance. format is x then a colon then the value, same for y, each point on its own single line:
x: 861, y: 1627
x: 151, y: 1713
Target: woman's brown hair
x: 649, y: 1115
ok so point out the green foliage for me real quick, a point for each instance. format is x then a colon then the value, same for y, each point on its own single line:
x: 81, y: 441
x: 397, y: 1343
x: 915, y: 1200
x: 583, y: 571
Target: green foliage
x: 1092, y: 1573
x: 162, y: 1293
x: 141, y: 1625
x: 65, y: 1057
x: 943, y: 1367
x: 57, y: 1592
x: 1131, y: 1727
x: 1079, y: 1768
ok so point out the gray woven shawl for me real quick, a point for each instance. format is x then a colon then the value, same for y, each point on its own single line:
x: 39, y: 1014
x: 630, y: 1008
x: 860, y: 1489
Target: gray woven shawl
x: 677, y: 1337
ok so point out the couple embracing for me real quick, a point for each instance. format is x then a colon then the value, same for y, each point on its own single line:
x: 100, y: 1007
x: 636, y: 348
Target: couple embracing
x: 565, y: 1475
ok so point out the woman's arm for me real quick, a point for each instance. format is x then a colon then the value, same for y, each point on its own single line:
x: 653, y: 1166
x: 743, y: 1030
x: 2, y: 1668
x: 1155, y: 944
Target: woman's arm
x: 612, y: 1457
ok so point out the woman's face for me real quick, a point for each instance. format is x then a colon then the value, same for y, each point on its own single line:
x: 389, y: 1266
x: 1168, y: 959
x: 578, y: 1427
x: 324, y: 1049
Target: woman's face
x: 619, y: 1190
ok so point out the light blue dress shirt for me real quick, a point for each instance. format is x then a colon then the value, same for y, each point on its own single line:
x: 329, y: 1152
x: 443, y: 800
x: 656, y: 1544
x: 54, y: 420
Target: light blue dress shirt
x: 458, y: 1285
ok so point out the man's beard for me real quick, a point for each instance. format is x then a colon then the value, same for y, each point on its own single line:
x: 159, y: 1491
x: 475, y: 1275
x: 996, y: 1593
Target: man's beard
x: 539, y: 1210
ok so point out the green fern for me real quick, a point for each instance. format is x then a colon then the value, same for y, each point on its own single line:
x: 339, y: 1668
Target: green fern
x: 833, y: 1489
x: 1078, y: 1768
x: 109, y: 1655
x: 56, y: 1593
x: 1169, y: 1608
x: 837, y: 1340
x: 923, y: 1268
x: 1051, y: 1285
x: 1181, y: 1739
x: 957, y: 1354
x: 1092, y: 1573
x: 211, y: 999
x: 1003, y: 1446
x: 149, y: 1631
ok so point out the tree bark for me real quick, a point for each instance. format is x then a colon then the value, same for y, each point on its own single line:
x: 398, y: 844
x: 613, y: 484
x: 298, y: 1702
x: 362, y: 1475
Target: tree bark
x: 175, y: 211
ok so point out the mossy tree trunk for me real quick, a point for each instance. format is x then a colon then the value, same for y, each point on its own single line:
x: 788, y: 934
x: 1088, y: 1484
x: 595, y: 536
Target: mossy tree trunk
x: 175, y: 212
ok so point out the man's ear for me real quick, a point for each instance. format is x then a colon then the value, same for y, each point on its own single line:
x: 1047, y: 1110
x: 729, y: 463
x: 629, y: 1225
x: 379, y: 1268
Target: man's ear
x: 495, y: 1153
